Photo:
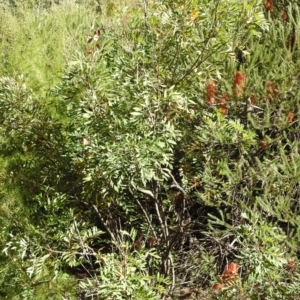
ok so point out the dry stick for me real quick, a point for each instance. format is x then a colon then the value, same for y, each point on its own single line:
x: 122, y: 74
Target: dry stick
x: 168, y: 252
x: 106, y: 227
x: 176, y: 185
x: 147, y: 192
x: 165, y: 221
x: 174, y: 181
x: 145, y: 214
x: 162, y: 221
x: 163, y: 224
x: 173, y: 274
x: 163, y: 227
x: 162, y: 217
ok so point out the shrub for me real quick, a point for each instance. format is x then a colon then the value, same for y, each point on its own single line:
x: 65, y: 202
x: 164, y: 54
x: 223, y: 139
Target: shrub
x: 164, y: 156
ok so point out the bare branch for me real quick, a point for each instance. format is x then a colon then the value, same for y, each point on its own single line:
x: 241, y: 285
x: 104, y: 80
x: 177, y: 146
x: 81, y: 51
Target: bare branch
x: 104, y: 223
x: 174, y: 181
x: 146, y: 192
x: 145, y: 214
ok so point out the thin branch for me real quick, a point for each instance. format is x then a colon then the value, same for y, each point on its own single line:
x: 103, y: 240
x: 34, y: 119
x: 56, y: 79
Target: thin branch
x: 145, y: 214
x: 163, y: 224
x: 200, y: 58
x: 146, y: 192
x: 173, y: 274
x: 176, y: 184
x: 104, y: 223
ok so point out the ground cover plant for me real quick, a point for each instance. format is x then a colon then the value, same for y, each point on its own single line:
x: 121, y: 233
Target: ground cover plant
x: 149, y: 149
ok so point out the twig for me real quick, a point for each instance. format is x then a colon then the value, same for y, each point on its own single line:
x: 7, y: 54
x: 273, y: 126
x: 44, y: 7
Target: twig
x: 106, y: 227
x: 174, y: 181
x: 157, y: 205
x: 173, y: 273
x: 145, y: 214
x: 147, y: 192
x: 200, y: 58
x: 163, y: 224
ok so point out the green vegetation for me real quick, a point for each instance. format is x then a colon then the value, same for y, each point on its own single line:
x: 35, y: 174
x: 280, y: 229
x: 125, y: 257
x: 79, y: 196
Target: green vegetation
x: 149, y: 149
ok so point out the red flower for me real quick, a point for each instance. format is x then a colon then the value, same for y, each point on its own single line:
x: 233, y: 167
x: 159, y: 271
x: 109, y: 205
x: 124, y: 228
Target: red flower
x: 211, y: 90
x: 253, y: 99
x: 291, y: 40
x: 291, y: 117
x: 239, y: 83
x: 222, y: 103
x: 231, y: 273
x: 218, y: 286
x: 263, y: 145
x: 291, y: 266
x: 272, y: 91
x: 223, y: 110
x: 233, y: 267
x: 223, y: 99
x: 284, y: 16
x: 269, y: 5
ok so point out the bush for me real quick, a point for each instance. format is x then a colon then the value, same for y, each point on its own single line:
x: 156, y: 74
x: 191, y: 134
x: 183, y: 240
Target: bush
x: 164, y: 157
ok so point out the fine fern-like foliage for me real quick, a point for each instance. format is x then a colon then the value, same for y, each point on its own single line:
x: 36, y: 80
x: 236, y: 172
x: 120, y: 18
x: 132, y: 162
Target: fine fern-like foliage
x: 36, y: 46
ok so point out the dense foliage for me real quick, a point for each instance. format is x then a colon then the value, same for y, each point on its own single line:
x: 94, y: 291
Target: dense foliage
x: 149, y: 150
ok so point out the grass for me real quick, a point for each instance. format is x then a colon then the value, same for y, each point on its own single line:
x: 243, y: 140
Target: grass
x: 39, y: 42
